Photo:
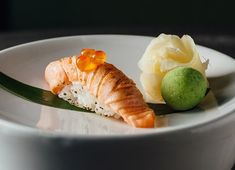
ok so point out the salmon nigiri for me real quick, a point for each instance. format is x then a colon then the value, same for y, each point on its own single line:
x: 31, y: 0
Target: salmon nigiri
x: 87, y: 81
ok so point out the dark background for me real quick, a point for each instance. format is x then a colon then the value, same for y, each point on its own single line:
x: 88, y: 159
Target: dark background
x: 201, y: 16
x: 211, y: 23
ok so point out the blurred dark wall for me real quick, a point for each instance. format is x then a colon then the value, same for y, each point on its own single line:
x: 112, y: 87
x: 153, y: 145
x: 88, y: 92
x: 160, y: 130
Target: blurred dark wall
x: 51, y: 14
x: 3, y: 15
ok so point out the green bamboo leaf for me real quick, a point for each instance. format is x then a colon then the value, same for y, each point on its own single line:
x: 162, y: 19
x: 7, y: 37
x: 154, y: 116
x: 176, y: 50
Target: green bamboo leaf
x: 45, y: 97
x: 34, y: 94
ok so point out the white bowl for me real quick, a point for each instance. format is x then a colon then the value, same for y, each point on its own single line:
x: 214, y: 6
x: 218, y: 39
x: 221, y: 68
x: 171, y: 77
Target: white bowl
x: 35, y: 136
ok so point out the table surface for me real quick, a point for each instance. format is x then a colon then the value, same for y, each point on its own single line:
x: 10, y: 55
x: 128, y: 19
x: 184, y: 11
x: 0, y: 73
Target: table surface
x: 223, y: 42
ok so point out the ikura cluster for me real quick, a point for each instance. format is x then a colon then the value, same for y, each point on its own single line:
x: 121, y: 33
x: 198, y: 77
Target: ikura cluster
x: 90, y: 59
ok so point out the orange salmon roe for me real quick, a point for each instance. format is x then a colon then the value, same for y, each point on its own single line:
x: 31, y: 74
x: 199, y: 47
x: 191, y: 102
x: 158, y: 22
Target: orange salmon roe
x: 90, y: 59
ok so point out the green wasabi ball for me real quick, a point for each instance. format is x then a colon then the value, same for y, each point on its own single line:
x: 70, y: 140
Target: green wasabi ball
x: 183, y: 88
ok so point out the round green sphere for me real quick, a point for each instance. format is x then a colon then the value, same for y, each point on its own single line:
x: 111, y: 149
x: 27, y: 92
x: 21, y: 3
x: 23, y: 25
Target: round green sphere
x: 183, y: 88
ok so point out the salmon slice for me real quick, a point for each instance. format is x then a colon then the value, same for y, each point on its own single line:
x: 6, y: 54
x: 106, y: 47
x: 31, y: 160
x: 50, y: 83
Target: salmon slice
x: 109, y: 85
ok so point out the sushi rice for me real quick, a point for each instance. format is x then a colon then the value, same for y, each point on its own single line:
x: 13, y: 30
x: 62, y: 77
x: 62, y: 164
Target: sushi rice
x: 77, y: 95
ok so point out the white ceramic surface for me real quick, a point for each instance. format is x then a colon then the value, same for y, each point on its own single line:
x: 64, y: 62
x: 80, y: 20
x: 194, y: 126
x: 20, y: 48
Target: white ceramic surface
x: 209, y: 129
